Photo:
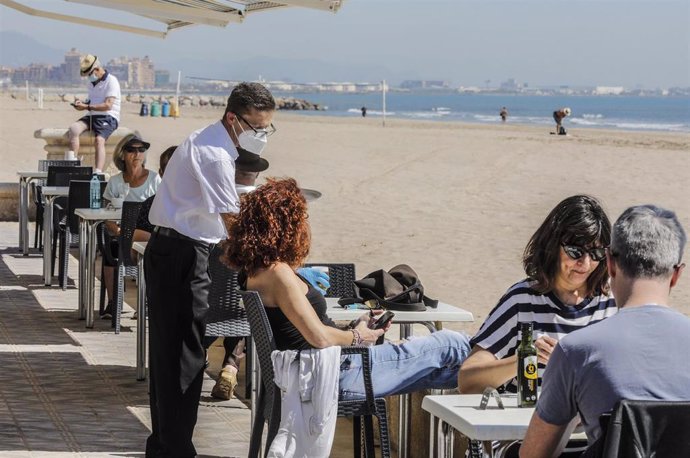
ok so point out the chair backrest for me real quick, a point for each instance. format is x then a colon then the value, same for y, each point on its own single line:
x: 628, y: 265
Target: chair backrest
x: 64, y: 172
x: 79, y: 197
x: 262, y: 335
x: 226, y: 317
x: 43, y: 164
x: 341, y: 277
x: 130, y: 214
x: 647, y: 428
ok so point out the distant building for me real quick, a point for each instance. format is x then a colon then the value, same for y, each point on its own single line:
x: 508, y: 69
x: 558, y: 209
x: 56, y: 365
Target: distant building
x: 134, y: 73
x: 609, y: 90
x: 424, y: 84
x: 162, y: 78
x: 35, y: 73
x: 510, y: 85
x: 69, y: 70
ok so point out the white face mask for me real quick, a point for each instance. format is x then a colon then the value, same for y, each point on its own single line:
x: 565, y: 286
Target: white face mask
x: 251, y: 141
x: 93, y: 78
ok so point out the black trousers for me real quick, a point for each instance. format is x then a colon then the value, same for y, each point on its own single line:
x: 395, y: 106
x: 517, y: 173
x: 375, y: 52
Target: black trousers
x: 177, y: 285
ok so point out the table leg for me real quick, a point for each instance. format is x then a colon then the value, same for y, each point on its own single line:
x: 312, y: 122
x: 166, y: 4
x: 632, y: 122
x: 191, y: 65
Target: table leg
x: 432, y: 435
x: 47, y: 239
x: 256, y: 381
x: 90, y: 281
x: 488, y: 449
x: 405, y: 400
x: 82, y: 267
x: 24, y: 215
x: 141, y: 320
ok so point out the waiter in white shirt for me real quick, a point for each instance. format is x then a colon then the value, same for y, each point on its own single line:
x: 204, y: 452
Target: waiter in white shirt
x: 195, y: 197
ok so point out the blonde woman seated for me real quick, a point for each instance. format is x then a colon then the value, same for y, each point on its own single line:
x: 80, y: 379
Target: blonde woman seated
x: 135, y: 183
x: 267, y: 241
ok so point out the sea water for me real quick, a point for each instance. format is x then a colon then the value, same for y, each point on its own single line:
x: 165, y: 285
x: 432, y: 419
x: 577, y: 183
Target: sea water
x: 671, y: 114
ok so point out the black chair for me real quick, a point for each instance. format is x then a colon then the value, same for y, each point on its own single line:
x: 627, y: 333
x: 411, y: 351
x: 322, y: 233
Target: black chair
x: 60, y: 205
x: 268, y: 402
x: 226, y: 316
x: 60, y: 175
x: 43, y: 165
x: 341, y: 277
x: 79, y: 197
x: 644, y: 429
x: 124, y: 265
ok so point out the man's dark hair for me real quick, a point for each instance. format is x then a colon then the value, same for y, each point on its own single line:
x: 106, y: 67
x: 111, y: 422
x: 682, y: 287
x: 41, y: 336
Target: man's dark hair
x: 578, y: 220
x: 250, y: 95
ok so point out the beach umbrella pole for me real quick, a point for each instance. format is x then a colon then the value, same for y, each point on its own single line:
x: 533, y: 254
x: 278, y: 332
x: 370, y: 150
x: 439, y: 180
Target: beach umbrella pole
x: 383, y: 94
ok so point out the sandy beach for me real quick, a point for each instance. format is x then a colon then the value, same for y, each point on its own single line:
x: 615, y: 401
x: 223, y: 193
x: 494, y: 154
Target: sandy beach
x: 457, y: 202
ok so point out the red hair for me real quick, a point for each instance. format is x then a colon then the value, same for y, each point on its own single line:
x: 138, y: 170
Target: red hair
x: 271, y: 227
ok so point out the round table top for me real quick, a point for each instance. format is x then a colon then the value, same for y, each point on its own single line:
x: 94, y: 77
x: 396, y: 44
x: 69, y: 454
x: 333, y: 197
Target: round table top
x: 310, y: 194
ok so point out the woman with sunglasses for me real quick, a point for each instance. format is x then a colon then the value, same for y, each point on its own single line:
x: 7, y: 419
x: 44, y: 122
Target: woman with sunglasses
x: 566, y: 289
x: 267, y: 241
x: 135, y: 183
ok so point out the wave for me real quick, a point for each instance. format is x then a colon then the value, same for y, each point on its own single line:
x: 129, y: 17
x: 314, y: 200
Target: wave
x: 589, y: 120
x: 371, y: 112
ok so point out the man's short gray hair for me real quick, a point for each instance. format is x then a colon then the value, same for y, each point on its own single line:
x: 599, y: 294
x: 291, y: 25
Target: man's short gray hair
x: 647, y: 241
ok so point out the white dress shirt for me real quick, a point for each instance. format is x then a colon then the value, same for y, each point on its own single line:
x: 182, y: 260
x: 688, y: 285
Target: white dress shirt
x: 198, y: 185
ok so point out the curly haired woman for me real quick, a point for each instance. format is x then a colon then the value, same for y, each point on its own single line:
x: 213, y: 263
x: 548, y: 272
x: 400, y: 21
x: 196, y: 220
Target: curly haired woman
x: 267, y: 241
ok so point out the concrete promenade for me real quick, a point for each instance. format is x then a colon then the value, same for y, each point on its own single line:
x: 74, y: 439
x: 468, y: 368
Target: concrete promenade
x: 68, y: 391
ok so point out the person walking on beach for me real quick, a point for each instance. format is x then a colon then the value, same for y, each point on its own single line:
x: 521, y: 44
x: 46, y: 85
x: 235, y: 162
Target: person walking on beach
x: 102, y: 106
x: 503, y: 114
x: 364, y: 112
x: 558, y: 116
x: 190, y: 211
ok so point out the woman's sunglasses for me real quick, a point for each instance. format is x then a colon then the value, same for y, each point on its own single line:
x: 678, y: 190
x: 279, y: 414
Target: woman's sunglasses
x: 576, y: 252
x: 135, y: 149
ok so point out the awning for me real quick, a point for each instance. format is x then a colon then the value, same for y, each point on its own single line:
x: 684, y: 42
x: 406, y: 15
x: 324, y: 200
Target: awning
x: 177, y: 13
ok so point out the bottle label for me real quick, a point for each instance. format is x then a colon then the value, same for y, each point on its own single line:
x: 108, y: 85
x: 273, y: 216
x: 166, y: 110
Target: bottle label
x: 530, y: 367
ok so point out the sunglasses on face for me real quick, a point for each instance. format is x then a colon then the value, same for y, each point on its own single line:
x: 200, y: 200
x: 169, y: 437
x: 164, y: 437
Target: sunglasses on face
x: 576, y: 252
x: 135, y: 149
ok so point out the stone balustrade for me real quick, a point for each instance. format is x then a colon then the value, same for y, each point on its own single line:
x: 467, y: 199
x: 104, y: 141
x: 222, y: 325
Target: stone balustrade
x: 57, y: 142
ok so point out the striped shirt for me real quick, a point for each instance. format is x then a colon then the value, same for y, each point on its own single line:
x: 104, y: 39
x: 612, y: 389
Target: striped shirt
x: 500, y: 332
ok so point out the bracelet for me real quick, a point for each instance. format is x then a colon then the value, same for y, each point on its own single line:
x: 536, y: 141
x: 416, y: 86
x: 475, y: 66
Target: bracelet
x: 88, y: 107
x: 356, y: 338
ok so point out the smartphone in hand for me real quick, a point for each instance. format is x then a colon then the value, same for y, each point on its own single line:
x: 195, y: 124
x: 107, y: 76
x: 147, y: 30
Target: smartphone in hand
x: 383, y: 320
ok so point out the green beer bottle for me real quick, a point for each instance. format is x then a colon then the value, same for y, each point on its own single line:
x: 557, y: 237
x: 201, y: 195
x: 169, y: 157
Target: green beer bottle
x: 527, y: 368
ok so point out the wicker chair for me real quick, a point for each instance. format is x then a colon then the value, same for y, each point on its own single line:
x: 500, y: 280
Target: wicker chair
x: 124, y: 265
x: 63, y: 176
x: 341, y: 277
x: 268, y: 405
x: 226, y: 316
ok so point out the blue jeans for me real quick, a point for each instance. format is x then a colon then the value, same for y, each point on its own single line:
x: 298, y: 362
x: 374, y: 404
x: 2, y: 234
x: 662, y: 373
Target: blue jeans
x: 430, y: 362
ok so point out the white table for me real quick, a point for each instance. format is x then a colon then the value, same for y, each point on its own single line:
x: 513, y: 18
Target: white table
x: 50, y: 193
x: 443, y: 312
x: 25, y: 178
x: 89, y: 218
x: 461, y: 412
x: 140, y: 247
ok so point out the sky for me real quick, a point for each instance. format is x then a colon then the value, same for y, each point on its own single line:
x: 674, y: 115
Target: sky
x: 631, y: 43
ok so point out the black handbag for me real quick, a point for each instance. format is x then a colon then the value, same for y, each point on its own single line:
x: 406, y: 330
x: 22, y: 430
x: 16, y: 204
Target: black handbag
x: 397, y: 289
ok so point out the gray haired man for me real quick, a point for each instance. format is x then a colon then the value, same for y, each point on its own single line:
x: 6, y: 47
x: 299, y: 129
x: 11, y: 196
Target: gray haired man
x: 640, y: 353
